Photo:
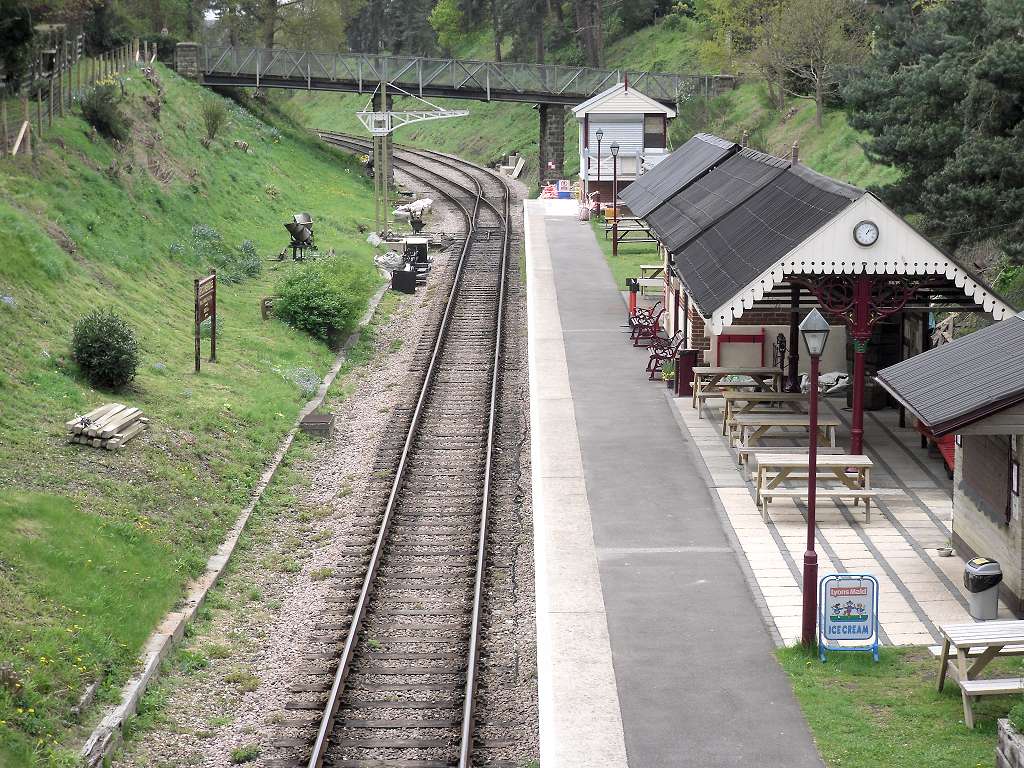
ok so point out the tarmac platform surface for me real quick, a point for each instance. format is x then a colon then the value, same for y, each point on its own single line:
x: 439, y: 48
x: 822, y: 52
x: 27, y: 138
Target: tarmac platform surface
x: 653, y: 650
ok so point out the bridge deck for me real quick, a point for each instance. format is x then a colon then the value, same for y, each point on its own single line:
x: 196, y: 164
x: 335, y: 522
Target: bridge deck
x: 422, y: 76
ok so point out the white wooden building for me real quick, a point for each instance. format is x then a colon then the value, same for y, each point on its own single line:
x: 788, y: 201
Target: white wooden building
x: 637, y: 123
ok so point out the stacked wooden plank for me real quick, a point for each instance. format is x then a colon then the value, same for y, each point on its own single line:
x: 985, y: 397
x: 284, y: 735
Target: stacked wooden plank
x: 110, y: 426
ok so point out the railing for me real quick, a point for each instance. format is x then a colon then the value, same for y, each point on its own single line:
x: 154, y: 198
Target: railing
x: 419, y: 75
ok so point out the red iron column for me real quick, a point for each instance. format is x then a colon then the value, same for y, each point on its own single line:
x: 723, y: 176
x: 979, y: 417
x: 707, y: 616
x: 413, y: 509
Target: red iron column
x: 861, y: 332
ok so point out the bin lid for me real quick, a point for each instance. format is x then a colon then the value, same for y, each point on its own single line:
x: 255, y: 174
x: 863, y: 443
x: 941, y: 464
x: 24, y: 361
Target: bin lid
x: 983, y: 566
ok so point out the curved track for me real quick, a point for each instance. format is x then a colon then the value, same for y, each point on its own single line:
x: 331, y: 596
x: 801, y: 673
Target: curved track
x: 409, y: 599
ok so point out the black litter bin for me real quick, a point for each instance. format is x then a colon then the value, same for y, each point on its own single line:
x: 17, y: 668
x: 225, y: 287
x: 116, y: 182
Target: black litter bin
x: 981, y: 578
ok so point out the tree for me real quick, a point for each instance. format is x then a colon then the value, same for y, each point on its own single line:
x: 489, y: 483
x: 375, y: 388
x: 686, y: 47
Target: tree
x: 942, y: 95
x: 747, y: 28
x: 588, y: 29
x: 448, y: 23
x: 814, y: 41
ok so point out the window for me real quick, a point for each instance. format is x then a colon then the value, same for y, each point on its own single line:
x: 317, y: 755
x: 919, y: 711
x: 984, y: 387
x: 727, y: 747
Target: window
x: 986, y: 474
x: 654, y: 131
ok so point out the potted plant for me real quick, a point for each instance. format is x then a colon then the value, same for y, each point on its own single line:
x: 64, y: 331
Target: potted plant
x: 668, y: 373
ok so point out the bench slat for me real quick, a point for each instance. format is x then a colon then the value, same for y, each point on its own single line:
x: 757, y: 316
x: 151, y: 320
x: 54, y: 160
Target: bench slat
x: 992, y: 687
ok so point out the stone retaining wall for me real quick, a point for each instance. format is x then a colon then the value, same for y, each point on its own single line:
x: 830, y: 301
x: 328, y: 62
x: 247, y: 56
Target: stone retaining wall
x: 1009, y: 747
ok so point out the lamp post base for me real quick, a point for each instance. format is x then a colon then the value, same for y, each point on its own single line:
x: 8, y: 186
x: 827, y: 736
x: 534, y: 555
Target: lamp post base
x: 809, y: 634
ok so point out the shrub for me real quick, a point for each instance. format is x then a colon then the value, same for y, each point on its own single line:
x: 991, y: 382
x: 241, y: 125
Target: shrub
x: 232, y: 265
x: 105, y: 348
x: 215, y: 114
x: 320, y: 299
x: 100, y: 109
x: 245, y: 754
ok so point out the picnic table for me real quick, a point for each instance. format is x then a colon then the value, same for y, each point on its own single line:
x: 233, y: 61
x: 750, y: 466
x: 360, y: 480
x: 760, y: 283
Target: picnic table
x: 739, y: 401
x: 852, y: 471
x: 649, y: 272
x: 708, y: 381
x: 756, y: 426
x: 979, y: 643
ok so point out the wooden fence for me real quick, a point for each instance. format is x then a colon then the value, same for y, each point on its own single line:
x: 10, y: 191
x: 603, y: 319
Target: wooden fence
x: 27, y: 118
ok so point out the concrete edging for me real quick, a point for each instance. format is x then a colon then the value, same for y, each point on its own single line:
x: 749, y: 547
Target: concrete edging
x: 109, y: 734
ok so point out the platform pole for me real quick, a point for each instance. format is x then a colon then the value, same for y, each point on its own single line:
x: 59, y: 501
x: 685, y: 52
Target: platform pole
x: 793, y: 380
x: 861, y: 337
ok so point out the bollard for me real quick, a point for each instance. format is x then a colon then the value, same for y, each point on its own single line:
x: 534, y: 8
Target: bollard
x: 633, y: 286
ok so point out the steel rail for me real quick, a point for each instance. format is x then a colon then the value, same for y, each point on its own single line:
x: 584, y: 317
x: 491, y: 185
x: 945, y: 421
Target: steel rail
x: 337, y: 688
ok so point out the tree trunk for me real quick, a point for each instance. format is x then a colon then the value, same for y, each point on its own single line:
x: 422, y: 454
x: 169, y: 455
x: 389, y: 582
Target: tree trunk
x: 540, y: 40
x: 588, y: 22
x: 819, y: 101
x: 269, y: 21
x: 556, y: 6
x: 496, y: 26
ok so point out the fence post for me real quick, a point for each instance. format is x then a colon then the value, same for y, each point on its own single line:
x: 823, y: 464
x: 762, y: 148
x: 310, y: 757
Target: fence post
x: 49, y: 106
x: 3, y: 125
x: 71, y: 86
x: 39, y: 112
x: 60, y: 92
x: 27, y: 118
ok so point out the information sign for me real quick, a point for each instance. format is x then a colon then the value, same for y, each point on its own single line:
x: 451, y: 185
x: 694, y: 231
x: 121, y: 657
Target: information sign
x: 206, y: 308
x: 848, y: 613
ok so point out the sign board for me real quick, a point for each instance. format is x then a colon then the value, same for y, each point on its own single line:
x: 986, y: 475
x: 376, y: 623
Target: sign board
x: 564, y: 185
x: 206, y: 309
x: 848, y: 613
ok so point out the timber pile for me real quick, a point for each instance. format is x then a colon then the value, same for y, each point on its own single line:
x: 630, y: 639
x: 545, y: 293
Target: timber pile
x: 110, y: 426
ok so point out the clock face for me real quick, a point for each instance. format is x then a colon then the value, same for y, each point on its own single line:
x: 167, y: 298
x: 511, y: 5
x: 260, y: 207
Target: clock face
x: 866, y: 233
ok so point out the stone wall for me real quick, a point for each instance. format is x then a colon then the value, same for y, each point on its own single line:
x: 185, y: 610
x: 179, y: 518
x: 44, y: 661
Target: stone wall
x: 976, y: 533
x: 186, y: 60
x: 552, y: 142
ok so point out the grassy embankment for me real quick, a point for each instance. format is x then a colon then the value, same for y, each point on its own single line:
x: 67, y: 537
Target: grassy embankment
x: 95, y: 547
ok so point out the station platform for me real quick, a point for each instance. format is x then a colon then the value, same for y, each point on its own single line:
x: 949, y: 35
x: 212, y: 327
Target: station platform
x: 654, y: 648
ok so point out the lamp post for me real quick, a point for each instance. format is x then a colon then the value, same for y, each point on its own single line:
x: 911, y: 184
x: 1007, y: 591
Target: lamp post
x: 600, y: 135
x: 614, y: 148
x: 814, y: 330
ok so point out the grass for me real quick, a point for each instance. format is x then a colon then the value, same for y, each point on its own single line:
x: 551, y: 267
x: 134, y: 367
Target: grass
x: 630, y: 257
x: 865, y: 715
x: 95, y: 547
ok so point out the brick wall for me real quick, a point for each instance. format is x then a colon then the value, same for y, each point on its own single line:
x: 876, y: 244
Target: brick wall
x: 186, y: 60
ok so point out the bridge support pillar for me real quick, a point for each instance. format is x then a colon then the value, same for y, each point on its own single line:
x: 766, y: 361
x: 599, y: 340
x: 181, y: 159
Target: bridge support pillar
x: 388, y: 142
x: 186, y: 60
x: 552, y: 142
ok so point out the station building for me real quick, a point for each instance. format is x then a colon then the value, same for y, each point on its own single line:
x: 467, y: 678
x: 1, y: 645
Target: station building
x: 750, y: 242
x: 624, y: 116
x: 973, y: 387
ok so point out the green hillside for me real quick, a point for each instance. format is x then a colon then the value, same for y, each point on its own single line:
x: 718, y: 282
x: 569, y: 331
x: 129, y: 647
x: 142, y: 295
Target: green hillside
x: 96, y: 546
x: 493, y: 130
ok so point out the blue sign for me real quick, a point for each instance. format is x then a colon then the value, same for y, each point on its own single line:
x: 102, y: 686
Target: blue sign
x: 848, y: 613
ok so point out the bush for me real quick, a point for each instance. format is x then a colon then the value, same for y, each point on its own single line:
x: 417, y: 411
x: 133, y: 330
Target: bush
x: 232, y: 265
x: 320, y: 299
x: 105, y: 348
x: 100, y: 110
x: 215, y: 114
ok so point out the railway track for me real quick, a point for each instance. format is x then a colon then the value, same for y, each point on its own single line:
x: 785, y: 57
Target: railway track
x: 400, y: 649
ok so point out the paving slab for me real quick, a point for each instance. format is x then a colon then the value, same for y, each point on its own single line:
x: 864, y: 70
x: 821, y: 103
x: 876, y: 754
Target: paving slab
x: 695, y: 679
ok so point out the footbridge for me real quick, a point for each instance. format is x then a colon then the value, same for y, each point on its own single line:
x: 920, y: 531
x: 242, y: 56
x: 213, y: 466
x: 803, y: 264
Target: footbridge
x: 552, y: 87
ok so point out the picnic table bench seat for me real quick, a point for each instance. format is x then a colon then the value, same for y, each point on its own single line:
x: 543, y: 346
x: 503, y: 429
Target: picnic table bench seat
x: 973, y: 653
x: 835, y: 494
x: 743, y: 453
x: 981, y: 642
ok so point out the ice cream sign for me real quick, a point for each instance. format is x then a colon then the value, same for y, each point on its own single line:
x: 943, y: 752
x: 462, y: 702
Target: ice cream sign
x: 848, y: 613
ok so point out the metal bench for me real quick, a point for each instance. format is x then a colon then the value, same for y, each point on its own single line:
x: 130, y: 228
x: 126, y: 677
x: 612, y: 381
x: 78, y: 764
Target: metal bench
x: 644, y: 330
x: 662, y: 349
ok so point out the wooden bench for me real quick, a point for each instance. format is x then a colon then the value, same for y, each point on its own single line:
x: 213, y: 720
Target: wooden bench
x: 981, y: 642
x: 973, y: 653
x: 835, y: 494
x: 651, y: 272
x: 972, y: 689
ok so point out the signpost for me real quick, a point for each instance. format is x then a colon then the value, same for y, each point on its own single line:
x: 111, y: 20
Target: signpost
x: 206, y: 307
x: 848, y: 613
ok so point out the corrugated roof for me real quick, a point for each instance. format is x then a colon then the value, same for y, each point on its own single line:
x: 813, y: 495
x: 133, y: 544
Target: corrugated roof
x: 756, y: 233
x: 691, y: 161
x: 965, y: 380
x: 699, y: 205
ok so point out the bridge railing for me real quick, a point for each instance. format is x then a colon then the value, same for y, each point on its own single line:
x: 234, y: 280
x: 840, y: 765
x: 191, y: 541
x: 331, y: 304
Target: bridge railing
x: 418, y: 74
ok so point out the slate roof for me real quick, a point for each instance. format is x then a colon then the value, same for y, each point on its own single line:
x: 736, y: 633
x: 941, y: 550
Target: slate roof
x: 691, y: 161
x: 730, y: 253
x: 963, y: 381
x: 696, y: 207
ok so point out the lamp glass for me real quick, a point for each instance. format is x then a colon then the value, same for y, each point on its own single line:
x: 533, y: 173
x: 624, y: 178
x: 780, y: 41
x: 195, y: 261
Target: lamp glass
x: 599, y: 133
x: 614, y: 148
x: 814, y: 330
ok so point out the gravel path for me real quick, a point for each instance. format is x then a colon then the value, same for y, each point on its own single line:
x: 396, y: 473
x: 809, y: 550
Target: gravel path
x: 224, y: 696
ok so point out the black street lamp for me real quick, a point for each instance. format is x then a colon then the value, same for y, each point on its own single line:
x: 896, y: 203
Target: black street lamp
x: 600, y: 135
x: 615, y: 198
x: 814, y: 330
